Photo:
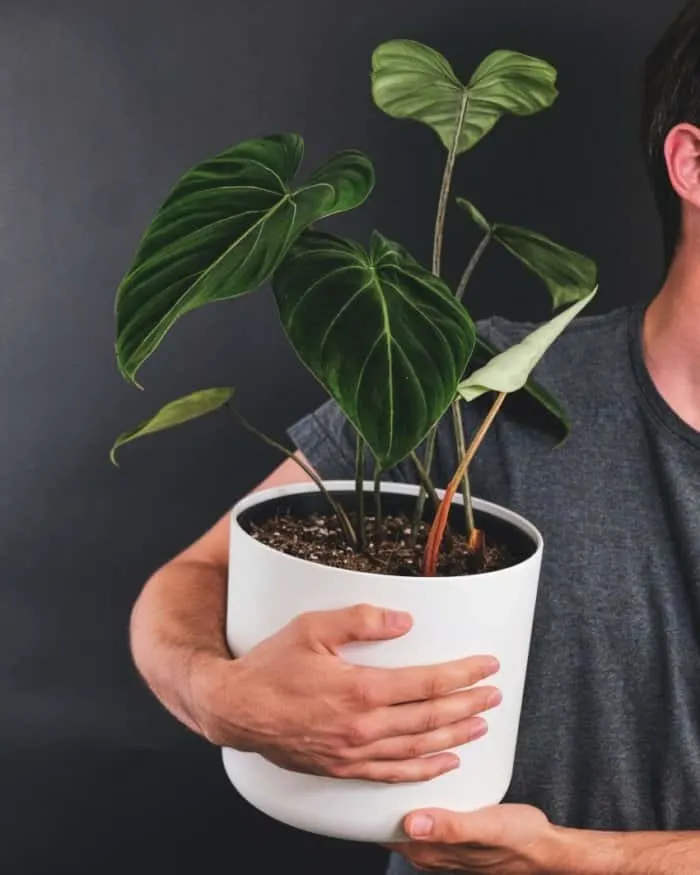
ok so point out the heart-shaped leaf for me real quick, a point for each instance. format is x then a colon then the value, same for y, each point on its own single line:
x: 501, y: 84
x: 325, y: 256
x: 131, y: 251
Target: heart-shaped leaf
x: 568, y: 275
x: 176, y: 413
x: 413, y: 81
x: 384, y: 336
x: 510, y: 371
x: 222, y: 232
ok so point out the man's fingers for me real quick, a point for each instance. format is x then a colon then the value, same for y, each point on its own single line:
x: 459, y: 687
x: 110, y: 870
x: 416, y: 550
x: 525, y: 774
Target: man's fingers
x: 420, y: 718
x: 331, y: 629
x: 407, y: 747
x: 397, y: 685
x: 406, y: 772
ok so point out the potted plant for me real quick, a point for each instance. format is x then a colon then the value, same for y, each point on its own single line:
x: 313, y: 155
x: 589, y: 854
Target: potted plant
x: 396, y: 348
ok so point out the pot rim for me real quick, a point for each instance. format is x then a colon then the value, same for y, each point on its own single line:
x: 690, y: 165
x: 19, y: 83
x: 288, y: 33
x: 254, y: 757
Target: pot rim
x: 254, y: 499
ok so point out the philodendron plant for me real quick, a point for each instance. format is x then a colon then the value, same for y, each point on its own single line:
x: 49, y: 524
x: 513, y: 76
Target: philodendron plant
x: 387, y: 338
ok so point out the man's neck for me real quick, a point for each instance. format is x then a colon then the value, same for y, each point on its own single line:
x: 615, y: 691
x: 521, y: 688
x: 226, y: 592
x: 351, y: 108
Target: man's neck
x: 671, y: 339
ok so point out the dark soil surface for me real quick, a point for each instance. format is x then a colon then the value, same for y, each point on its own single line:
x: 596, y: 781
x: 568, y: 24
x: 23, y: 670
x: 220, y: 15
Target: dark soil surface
x: 319, y: 538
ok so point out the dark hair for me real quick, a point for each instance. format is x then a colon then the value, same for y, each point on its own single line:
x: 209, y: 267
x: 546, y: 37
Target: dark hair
x: 671, y: 96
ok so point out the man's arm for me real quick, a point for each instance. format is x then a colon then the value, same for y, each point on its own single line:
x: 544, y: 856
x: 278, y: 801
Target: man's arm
x: 519, y: 840
x: 178, y: 621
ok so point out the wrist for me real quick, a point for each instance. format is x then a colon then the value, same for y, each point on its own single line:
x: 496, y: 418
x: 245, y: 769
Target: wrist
x: 210, y: 682
x: 581, y: 852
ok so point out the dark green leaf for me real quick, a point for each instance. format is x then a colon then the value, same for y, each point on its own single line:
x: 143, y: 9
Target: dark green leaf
x: 413, y: 81
x: 568, y: 275
x: 382, y: 334
x: 222, y: 232
x: 176, y: 413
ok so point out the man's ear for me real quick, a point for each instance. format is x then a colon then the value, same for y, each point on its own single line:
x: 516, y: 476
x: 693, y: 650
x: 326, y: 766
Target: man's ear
x: 682, y: 152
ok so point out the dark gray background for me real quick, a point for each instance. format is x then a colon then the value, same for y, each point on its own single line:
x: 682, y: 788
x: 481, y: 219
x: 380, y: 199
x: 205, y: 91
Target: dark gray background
x: 102, y: 105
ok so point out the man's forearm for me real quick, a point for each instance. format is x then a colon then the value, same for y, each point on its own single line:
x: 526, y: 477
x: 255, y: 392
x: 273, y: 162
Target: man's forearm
x: 584, y: 852
x: 179, y: 619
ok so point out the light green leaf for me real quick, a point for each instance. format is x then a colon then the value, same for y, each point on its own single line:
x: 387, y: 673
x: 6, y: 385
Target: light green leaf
x: 176, y: 413
x: 384, y: 336
x: 222, y: 232
x: 486, y: 351
x: 568, y: 275
x: 510, y: 371
x: 413, y: 81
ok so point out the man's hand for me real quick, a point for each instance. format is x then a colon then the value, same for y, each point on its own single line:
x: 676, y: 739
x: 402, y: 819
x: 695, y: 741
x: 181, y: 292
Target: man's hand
x: 507, y: 839
x: 296, y: 702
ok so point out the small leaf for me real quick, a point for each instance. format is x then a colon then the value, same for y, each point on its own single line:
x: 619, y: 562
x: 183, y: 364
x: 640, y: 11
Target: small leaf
x: 486, y: 350
x: 510, y: 370
x: 384, y: 336
x: 222, y: 232
x: 176, y: 413
x: 413, y: 81
x: 475, y: 215
x: 568, y: 275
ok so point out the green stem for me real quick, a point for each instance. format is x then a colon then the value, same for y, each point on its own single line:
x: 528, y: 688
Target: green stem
x: 461, y: 451
x: 445, y: 187
x: 378, y: 516
x: 360, y: 492
x: 343, y: 518
x: 471, y: 267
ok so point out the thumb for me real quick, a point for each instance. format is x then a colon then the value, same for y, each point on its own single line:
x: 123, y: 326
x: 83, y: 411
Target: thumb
x: 358, y: 623
x: 438, y: 825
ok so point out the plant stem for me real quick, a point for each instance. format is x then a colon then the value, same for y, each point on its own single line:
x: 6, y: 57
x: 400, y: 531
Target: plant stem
x: 445, y: 187
x: 378, y: 517
x: 461, y: 452
x: 471, y: 267
x: 360, y: 492
x: 437, y: 531
x: 339, y: 511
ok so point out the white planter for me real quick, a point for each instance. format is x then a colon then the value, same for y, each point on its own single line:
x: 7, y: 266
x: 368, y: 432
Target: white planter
x: 454, y: 617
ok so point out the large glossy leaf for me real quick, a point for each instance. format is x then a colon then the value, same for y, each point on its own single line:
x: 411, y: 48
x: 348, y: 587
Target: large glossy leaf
x: 176, y: 413
x: 413, y: 81
x: 568, y: 275
x: 222, y: 232
x: 510, y: 371
x: 384, y: 336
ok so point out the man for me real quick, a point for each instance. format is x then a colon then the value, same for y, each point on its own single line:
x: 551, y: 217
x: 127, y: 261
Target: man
x: 607, y: 777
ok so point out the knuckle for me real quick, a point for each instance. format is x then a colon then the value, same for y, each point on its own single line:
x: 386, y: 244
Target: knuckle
x: 364, y: 616
x: 357, y: 733
x: 366, y: 693
x: 305, y: 623
x: 433, y: 719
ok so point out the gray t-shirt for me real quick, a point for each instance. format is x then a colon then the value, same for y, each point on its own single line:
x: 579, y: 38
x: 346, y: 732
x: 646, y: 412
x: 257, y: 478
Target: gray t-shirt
x: 610, y: 731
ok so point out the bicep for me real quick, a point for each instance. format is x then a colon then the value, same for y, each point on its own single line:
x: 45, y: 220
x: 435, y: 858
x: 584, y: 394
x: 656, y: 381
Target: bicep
x: 212, y: 547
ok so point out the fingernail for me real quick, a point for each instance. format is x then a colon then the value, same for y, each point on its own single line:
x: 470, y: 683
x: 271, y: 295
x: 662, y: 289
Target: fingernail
x: 399, y: 621
x: 480, y: 728
x: 494, y: 699
x: 492, y: 665
x: 421, y: 825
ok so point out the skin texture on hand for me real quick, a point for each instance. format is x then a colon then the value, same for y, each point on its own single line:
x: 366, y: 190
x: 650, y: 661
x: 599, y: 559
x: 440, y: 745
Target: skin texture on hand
x: 295, y: 701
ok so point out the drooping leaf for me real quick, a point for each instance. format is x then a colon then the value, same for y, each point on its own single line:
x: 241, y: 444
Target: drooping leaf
x: 176, y: 413
x: 384, y: 336
x: 413, y: 81
x: 223, y: 230
x: 568, y: 275
x: 487, y: 351
x: 510, y: 371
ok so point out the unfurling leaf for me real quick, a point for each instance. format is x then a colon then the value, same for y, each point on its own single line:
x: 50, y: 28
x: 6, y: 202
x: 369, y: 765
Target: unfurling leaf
x: 568, y: 275
x: 413, y: 81
x: 383, y: 335
x: 223, y: 230
x: 510, y: 371
x: 176, y: 413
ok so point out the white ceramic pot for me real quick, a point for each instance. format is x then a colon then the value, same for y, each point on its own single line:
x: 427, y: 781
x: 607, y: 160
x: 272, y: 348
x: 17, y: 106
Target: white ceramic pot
x: 453, y: 617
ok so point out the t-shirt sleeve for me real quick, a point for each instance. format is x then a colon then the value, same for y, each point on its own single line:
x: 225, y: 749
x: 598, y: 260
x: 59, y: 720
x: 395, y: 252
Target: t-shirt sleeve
x: 327, y: 440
